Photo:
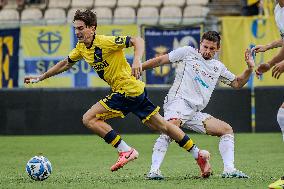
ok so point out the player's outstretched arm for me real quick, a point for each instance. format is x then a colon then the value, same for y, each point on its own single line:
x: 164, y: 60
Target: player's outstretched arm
x: 263, y: 48
x: 155, y: 62
x: 262, y: 68
x: 242, y: 79
x: 54, y: 70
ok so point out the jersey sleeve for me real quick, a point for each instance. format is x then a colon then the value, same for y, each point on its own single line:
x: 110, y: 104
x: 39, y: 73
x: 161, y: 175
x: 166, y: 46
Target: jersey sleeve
x: 179, y: 54
x: 74, y: 55
x: 226, y: 76
x: 116, y: 42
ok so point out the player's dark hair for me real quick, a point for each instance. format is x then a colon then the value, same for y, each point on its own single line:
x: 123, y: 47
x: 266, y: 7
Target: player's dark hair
x: 87, y: 16
x: 212, y: 36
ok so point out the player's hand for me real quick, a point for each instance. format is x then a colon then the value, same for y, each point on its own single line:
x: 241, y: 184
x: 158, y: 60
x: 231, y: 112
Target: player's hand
x: 262, y: 68
x: 32, y: 79
x: 277, y: 70
x: 137, y: 68
x: 259, y: 48
x: 249, y: 59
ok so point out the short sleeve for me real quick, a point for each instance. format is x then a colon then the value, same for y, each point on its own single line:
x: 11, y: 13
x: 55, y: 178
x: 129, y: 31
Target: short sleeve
x: 74, y: 55
x: 179, y: 54
x: 117, y: 42
x: 226, y: 76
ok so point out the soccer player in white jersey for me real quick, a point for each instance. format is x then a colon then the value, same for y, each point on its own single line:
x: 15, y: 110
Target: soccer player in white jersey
x: 197, y: 74
x: 277, y: 62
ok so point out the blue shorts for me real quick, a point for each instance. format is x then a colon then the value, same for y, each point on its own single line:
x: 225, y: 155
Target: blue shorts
x: 120, y: 105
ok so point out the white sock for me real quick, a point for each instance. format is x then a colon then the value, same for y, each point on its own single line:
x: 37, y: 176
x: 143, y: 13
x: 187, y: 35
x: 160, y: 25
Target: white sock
x: 159, y: 151
x: 226, y: 148
x: 280, y: 120
x: 194, y: 152
x: 123, y: 147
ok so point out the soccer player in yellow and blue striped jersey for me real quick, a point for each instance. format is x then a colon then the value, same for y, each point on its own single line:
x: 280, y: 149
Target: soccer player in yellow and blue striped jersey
x: 105, y: 55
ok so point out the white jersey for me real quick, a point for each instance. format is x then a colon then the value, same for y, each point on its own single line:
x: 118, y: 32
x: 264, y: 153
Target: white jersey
x: 196, y: 77
x: 279, y: 18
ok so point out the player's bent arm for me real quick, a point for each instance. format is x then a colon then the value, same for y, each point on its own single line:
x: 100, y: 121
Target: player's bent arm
x: 275, y: 44
x: 155, y: 62
x: 242, y: 79
x: 139, y: 46
x: 277, y: 59
x: 263, y: 48
x: 58, y: 68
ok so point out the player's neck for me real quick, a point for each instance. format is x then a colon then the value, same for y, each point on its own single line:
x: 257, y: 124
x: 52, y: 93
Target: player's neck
x: 281, y: 3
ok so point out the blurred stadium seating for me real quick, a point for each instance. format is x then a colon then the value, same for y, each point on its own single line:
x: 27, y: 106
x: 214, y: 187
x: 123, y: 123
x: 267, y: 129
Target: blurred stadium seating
x: 124, y: 11
x: 110, y: 11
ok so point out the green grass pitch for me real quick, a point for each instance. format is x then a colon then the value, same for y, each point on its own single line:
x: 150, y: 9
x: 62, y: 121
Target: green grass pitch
x: 83, y: 161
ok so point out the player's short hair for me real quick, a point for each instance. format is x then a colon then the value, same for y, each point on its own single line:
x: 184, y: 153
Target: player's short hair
x: 87, y: 16
x: 212, y: 36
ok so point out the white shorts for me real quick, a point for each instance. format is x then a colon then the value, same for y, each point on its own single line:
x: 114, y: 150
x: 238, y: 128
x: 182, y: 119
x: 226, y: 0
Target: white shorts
x: 180, y: 109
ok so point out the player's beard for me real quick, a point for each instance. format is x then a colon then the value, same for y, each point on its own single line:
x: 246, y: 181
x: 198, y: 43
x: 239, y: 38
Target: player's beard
x: 206, y: 57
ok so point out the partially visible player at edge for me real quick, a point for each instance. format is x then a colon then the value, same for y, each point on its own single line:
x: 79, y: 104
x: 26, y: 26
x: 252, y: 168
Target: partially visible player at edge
x: 277, y: 62
x: 197, y: 74
x: 105, y: 55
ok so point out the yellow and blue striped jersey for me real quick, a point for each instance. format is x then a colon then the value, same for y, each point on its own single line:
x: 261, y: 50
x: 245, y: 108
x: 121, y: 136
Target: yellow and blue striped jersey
x: 107, y: 58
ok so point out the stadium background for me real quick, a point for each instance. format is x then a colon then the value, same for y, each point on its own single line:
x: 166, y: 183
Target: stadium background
x: 35, y: 36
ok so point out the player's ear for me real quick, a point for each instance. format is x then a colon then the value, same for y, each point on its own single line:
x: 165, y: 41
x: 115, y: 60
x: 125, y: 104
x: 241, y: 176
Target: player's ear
x: 93, y: 28
x: 218, y: 47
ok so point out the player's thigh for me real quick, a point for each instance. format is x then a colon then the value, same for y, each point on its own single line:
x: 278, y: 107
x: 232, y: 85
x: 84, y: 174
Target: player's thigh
x: 178, y: 109
x: 196, y: 122
x: 216, y: 127
x: 156, y: 122
x: 145, y: 109
x: 96, y: 109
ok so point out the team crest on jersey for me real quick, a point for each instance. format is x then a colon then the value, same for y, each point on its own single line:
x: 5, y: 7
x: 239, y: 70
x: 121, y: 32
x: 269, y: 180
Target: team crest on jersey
x: 118, y: 40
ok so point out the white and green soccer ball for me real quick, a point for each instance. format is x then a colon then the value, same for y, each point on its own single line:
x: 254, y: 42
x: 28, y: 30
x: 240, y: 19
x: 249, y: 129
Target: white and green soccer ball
x: 39, y: 168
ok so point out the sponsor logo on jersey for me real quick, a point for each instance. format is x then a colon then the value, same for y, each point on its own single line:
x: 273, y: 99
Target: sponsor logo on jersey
x: 201, y: 82
x: 100, y: 65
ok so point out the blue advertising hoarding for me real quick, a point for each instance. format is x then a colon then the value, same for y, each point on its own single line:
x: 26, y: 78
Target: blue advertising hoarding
x: 162, y: 40
x: 9, y: 58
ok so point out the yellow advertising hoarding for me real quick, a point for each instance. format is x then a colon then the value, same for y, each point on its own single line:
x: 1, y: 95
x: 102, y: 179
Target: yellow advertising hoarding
x: 240, y: 33
x: 46, y: 41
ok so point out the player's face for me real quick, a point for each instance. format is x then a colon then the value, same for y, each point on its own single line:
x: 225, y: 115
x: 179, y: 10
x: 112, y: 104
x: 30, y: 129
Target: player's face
x: 83, y: 33
x: 208, y: 49
x: 281, y: 2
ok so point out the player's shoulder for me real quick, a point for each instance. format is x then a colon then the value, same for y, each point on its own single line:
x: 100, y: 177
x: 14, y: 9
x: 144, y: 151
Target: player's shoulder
x: 186, y: 50
x: 189, y: 49
x: 101, y: 38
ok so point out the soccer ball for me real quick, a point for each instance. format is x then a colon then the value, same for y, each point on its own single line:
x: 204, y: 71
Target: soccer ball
x: 39, y: 168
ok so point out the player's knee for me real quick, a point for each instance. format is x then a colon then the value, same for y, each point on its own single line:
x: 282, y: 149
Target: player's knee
x: 227, y: 129
x: 88, y: 121
x: 163, y: 126
x: 176, y: 122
